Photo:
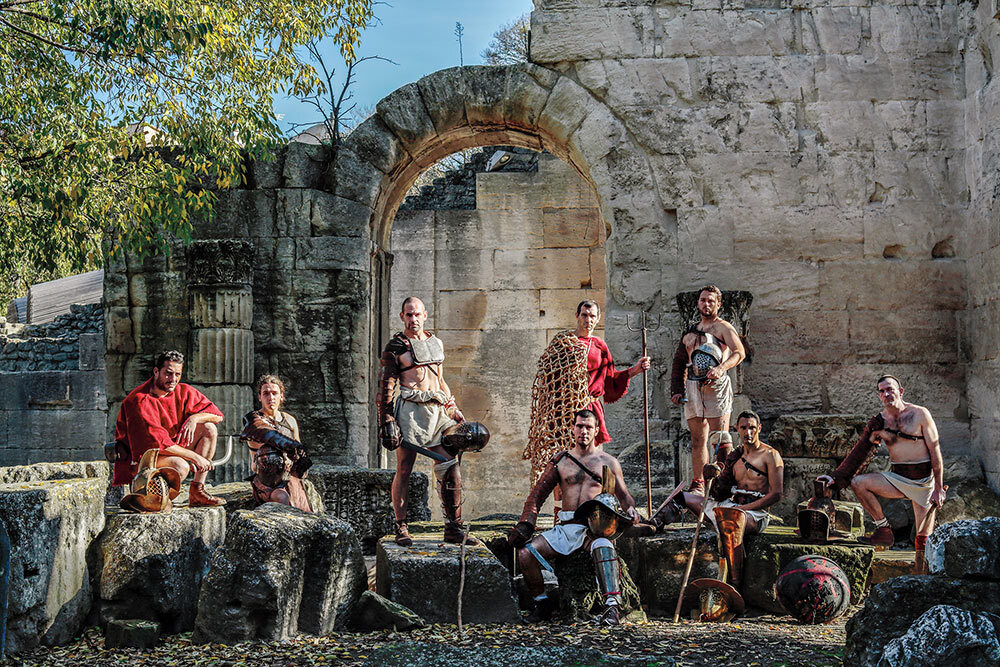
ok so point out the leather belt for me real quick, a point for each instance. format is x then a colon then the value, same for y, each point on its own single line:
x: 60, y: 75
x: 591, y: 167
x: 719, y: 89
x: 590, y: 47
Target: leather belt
x: 912, y: 470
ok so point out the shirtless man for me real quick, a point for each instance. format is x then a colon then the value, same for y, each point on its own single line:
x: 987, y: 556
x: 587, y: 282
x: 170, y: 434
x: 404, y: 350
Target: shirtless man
x: 752, y: 479
x: 699, y: 378
x: 909, y: 432
x: 577, y: 473
x: 415, y: 408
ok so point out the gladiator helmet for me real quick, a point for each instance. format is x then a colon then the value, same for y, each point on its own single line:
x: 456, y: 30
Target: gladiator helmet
x: 466, y: 437
x: 813, y: 589
x: 715, y: 600
x: 818, y: 517
x: 153, y: 487
x: 707, y: 355
x: 603, y: 514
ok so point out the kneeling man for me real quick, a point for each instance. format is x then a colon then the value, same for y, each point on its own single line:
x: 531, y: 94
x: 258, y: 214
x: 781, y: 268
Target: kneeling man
x: 585, y: 493
x: 752, y: 479
x: 911, y: 436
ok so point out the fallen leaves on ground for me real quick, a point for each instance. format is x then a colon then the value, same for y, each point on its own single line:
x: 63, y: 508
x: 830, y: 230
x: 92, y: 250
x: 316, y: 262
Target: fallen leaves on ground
x: 762, y: 640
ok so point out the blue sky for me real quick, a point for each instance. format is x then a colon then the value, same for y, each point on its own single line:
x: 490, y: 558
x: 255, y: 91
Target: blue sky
x: 419, y: 36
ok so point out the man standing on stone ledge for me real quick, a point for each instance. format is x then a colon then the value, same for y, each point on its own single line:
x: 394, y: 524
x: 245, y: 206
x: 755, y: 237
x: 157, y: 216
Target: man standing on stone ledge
x: 175, y: 418
x: 415, y: 407
x: 699, y: 378
x: 911, y: 436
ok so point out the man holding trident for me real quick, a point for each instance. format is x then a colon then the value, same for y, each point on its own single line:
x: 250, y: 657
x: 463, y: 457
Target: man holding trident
x: 699, y: 379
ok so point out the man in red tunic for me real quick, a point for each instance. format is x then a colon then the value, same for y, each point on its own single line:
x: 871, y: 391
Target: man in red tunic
x: 575, y: 387
x: 175, y: 418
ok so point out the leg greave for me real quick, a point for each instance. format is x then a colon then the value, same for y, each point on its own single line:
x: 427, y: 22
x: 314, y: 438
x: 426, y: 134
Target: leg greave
x: 607, y: 569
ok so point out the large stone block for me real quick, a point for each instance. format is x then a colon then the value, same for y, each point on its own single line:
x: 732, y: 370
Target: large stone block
x: 592, y: 34
x: 38, y: 472
x: 404, y: 113
x: 566, y: 268
x: 966, y: 549
x: 221, y: 356
x: 425, y: 577
x: 947, y: 635
x: 362, y: 497
x: 150, y: 566
x: 51, y: 525
x: 375, y: 143
x: 334, y: 432
x: 892, y: 607
x: 768, y: 553
x: 658, y: 563
x: 816, y: 436
x: 279, y: 572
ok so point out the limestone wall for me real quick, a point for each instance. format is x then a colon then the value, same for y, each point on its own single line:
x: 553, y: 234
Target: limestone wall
x: 982, y: 119
x: 52, y: 400
x: 499, y: 282
x: 811, y: 153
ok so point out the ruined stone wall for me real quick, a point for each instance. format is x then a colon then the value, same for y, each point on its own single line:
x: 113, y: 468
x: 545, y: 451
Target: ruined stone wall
x: 280, y: 247
x: 499, y: 281
x: 52, y: 401
x: 811, y: 153
x: 982, y: 119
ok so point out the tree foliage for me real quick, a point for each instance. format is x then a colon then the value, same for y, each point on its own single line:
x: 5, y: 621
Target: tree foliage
x: 120, y: 118
x: 509, y: 44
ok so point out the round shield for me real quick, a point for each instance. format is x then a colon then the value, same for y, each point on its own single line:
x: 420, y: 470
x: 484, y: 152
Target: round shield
x: 466, y: 437
x: 813, y: 589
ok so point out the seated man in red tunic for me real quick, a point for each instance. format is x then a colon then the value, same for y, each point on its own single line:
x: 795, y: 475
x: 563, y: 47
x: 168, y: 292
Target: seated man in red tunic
x: 178, y: 420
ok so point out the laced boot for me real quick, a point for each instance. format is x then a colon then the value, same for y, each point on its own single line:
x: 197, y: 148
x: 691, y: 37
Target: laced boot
x: 402, y: 538
x: 451, y: 505
x: 609, y: 617
x: 882, y: 537
x: 199, y: 497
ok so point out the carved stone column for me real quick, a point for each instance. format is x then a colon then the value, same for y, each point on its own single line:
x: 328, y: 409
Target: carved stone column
x: 220, y: 359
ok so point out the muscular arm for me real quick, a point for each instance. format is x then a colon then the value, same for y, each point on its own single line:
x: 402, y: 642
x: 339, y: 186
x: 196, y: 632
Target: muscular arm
x: 775, y: 484
x: 540, y: 492
x: 860, y: 455
x: 737, y: 353
x: 678, y: 370
x: 621, y: 491
x: 722, y: 487
x: 388, y: 385
x: 932, y: 440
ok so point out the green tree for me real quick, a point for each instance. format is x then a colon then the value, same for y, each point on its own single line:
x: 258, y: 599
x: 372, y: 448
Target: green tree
x: 120, y: 118
x: 509, y: 44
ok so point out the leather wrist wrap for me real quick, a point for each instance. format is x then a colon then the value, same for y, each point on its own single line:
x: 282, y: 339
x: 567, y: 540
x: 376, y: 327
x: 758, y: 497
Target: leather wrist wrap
x: 860, y: 455
x: 543, y: 487
x: 678, y: 371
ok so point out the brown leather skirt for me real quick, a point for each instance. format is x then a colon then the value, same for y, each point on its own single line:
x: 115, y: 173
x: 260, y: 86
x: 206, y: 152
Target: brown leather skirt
x: 912, y: 470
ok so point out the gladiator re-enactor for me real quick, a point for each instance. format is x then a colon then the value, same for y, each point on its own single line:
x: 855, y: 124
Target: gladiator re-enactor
x: 752, y: 479
x: 415, y: 408
x: 911, y: 436
x: 699, y: 379
x: 165, y: 429
x: 592, y: 515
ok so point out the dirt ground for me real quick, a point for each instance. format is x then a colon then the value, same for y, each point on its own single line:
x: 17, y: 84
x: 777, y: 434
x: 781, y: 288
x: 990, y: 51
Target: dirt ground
x: 756, y: 640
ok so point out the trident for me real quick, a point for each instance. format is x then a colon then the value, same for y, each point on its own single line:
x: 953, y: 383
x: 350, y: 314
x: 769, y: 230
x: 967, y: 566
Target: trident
x: 645, y: 403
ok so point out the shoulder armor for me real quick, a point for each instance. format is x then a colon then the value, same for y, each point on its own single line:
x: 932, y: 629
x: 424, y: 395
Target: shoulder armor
x: 398, y: 344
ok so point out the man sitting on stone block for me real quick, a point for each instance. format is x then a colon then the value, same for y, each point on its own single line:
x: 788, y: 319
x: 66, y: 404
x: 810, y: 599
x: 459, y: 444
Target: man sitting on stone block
x: 752, y: 479
x: 596, y: 509
x: 911, y: 436
x: 173, y: 420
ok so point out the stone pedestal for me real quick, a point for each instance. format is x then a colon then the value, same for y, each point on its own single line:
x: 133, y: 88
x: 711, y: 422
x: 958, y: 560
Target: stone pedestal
x: 425, y: 576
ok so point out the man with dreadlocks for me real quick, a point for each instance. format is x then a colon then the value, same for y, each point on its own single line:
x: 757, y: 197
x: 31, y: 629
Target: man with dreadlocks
x: 575, y: 372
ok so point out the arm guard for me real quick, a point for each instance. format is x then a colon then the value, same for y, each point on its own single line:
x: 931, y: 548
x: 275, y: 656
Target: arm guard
x: 722, y: 487
x: 678, y: 371
x: 860, y: 455
x: 543, y: 487
x: 388, y: 385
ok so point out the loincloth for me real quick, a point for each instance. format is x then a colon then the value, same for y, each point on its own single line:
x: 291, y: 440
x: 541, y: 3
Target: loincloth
x: 422, y: 417
x: 708, y: 399
x: 762, y: 517
x: 565, y: 538
x: 917, y: 490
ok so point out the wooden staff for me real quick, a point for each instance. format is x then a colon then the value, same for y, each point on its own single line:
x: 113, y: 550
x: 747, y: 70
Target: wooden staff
x: 710, y: 472
x: 645, y: 409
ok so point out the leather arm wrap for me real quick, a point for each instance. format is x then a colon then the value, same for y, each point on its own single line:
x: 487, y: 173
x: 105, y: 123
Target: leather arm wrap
x: 388, y: 387
x: 678, y: 371
x: 860, y: 455
x: 543, y: 487
x: 722, y: 487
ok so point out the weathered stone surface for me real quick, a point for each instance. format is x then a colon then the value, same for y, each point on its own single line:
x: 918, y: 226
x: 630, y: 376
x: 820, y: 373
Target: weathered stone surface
x: 889, y: 564
x: 280, y: 571
x: 816, y: 436
x: 403, y: 112
x: 222, y: 308
x: 239, y: 496
x: 633, y: 462
x: 37, y: 472
x: 150, y: 566
x: 657, y: 564
x: 51, y: 524
x: 131, y: 634
x: 424, y: 578
x: 892, y: 607
x: 768, y: 553
x: 362, y: 498
x: 966, y: 549
x: 374, y: 612
x: 221, y: 356
x: 798, y: 484
x: 946, y: 635
x: 220, y: 262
